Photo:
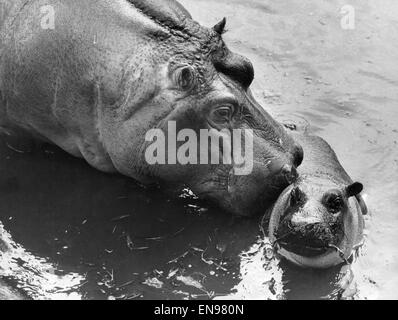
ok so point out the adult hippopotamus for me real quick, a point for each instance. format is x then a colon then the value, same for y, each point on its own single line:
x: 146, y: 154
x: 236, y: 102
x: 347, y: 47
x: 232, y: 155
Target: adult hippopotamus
x: 93, y: 76
x: 318, y: 221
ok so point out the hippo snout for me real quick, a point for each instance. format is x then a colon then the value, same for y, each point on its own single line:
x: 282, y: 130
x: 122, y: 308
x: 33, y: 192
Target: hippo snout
x: 308, y: 240
x: 289, y: 173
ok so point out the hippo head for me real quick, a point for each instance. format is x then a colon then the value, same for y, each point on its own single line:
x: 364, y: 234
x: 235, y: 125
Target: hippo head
x: 317, y: 223
x: 183, y: 81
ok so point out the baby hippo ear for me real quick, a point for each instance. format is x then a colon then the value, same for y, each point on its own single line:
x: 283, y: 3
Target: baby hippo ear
x: 354, y: 189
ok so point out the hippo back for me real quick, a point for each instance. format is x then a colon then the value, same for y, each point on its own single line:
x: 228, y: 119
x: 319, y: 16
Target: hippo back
x: 320, y: 159
x: 170, y: 12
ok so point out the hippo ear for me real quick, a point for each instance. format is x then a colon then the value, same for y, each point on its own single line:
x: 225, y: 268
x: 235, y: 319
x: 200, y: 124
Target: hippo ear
x: 354, y: 189
x: 220, y: 27
x: 184, y: 78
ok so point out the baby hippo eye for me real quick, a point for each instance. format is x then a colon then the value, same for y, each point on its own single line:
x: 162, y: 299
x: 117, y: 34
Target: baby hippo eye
x: 334, y: 203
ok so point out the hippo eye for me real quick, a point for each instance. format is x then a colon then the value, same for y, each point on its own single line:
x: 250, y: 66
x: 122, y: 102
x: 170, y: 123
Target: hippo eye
x: 223, y: 113
x: 185, y: 78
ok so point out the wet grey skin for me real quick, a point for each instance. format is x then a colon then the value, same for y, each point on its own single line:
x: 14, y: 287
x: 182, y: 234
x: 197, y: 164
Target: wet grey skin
x: 111, y: 70
x: 318, y: 220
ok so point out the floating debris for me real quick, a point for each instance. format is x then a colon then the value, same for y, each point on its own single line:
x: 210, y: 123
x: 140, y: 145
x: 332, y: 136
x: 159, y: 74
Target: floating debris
x: 14, y: 149
x: 161, y: 238
x: 123, y: 217
x: 172, y: 273
x: 190, y: 282
x: 178, y: 258
x: 128, y: 283
x: 187, y: 193
x: 141, y: 248
x: 130, y: 243
x: 154, y: 282
x: 134, y: 296
x: 221, y: 247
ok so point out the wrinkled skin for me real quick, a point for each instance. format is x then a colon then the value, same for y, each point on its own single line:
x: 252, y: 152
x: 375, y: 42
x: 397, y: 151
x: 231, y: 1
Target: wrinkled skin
x: 318, y: 220
x: 113, y: 69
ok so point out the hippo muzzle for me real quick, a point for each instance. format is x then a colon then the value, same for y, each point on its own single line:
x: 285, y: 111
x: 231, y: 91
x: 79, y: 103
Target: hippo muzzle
x: 310, y: 240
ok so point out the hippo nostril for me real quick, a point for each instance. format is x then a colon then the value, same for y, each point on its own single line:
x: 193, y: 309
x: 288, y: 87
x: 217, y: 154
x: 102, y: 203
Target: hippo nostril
x: 298, y: 155
x: 290, y: 173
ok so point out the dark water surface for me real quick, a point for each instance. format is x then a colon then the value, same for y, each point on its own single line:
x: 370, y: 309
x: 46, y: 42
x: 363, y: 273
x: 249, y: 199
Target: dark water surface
x: 82, y: 234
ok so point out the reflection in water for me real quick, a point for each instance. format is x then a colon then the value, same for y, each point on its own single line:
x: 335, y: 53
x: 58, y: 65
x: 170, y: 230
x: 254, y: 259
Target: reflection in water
x: 34, y: 276
x: 260, y: 275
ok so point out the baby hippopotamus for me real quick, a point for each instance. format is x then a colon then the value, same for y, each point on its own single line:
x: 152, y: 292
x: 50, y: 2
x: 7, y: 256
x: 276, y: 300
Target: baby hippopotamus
x: 317, y: 222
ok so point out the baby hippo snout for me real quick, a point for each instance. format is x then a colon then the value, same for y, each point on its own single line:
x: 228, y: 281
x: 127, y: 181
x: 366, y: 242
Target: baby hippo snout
x: 308, y: 239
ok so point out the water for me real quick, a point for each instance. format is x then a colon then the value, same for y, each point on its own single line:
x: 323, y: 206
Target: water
x: 82, y: 234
